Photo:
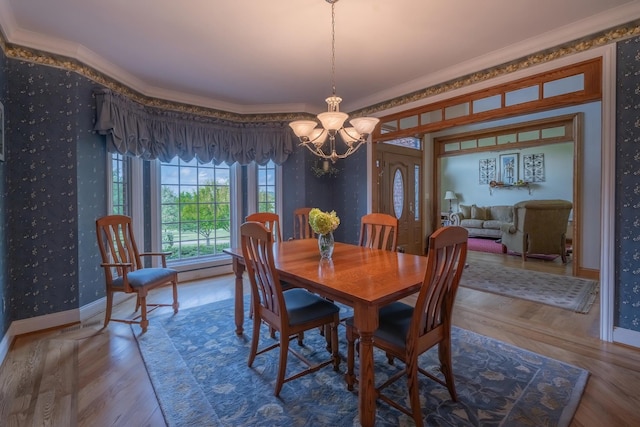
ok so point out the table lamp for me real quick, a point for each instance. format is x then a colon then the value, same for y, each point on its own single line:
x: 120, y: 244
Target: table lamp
x: 450, y: 195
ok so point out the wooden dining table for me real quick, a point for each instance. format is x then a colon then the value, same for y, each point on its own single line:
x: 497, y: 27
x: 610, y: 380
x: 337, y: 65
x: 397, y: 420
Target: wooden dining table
x: 362, y: 278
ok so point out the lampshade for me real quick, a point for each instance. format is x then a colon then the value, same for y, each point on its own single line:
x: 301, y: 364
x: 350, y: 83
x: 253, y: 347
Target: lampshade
x: 450, y: 195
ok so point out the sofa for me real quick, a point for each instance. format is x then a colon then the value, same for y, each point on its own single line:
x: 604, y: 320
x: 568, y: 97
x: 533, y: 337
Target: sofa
x: 539, y: 227
x: 483, y: 221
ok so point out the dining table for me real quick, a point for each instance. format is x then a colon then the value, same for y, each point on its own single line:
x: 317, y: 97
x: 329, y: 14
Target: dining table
x: 363, y: 278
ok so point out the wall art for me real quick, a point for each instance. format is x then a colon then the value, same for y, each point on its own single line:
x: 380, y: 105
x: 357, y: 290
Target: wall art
x: 487, y: 170
x: 533, y: 167
x: 509, y: 168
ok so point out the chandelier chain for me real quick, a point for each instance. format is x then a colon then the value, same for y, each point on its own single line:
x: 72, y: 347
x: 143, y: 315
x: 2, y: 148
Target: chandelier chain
x: 333, y: 48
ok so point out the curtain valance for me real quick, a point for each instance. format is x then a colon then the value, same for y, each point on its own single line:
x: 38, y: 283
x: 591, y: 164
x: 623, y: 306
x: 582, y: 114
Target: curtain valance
x: 153, y: 133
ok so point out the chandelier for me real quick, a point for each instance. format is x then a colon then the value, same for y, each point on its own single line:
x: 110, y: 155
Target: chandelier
x: 333, y: 119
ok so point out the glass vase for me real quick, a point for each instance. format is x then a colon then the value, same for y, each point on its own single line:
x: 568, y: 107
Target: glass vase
x: 325, y: 244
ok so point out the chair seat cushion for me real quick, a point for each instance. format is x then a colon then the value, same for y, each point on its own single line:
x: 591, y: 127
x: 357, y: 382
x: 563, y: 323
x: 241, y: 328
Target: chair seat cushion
x: 147, y: 276
x: 303, y: 306
x: 394, y: 323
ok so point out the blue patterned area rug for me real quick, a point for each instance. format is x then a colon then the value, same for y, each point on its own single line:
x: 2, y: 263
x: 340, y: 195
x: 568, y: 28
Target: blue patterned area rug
x: 198, y: 368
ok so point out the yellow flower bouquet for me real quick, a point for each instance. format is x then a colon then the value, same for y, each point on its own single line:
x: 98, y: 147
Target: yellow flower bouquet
x: 323, y: 222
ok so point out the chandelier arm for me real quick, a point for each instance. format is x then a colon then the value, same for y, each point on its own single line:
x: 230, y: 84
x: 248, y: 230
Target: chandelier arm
x: 315, y: 150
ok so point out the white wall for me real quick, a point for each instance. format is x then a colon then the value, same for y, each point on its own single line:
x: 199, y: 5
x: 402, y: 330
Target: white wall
x: 461, y: 175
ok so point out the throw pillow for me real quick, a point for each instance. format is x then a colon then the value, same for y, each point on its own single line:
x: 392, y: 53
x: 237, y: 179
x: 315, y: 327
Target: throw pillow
x: 466, y: 210
x: 478, y: 213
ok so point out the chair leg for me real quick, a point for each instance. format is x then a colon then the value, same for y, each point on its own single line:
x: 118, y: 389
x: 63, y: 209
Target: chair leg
x: 350, y: 376
x: 107, y: 313
x: 282, y: 366
x: 176, y: 304
x: 144, y: 323
x: 254, y: 339
x: 414, y: 391
x: 334, y: 346
x: 444, y: 354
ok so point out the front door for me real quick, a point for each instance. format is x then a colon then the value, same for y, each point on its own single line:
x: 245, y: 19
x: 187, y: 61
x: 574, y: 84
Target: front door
x: 399, y: 193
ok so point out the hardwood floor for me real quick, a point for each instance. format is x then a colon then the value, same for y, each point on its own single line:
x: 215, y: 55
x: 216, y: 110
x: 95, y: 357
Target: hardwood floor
x: 86, y: 375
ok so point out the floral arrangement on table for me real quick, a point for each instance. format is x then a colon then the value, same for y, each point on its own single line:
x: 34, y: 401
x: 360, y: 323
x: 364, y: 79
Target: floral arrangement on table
x: 323, y: 222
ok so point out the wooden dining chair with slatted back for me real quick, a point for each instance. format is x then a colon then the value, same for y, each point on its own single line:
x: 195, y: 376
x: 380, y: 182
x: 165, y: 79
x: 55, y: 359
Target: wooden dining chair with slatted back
x: 379, y: 231
x: 301, y: 227
x: 405, y: 332
x: 270, y: 220
x: 125, y: 271
x: 290, y: 312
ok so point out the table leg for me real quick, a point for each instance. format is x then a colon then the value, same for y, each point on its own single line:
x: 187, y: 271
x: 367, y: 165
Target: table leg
x: 366, y: 321
x: 238, y: 269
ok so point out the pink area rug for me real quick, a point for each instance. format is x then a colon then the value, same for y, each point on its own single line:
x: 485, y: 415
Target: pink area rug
x: 494, y: 247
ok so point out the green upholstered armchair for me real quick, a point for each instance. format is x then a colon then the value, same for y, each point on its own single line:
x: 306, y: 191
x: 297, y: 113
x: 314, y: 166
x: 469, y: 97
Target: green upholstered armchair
x: 539, y: 227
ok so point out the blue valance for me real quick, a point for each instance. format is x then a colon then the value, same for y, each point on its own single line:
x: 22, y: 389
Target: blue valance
x: 154, y: 133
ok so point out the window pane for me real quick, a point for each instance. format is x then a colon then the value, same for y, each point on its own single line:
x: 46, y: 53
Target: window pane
x: 119, y: 183
x: 195, y: 209
x: 267, y: 187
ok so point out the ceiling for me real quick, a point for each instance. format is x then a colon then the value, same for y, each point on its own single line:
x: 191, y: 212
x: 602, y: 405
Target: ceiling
x: 250, y: 56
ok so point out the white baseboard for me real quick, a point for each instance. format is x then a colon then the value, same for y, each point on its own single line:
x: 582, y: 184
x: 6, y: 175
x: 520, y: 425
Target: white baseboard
x: 188, y: 275
x: 98, y: 306
x: 626, y: 336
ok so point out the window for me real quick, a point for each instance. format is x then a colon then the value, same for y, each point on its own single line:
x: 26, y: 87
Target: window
x: 195, y: 205
x: 194, y: 210
x: 267, y: 187
x: 119, y: 185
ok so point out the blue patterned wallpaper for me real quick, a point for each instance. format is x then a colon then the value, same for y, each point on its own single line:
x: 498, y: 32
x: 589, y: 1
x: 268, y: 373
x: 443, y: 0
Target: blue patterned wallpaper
x: 5, y: 320
x: 351, y: 189
x: 92, y: 200
x: 50, y: 111
x: 628, y: 185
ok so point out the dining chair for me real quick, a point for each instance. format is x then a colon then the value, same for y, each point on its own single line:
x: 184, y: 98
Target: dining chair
x: 379, y: 231
x: 405, y: 332
x: 269, y: 220
x: 125, y: 272
x: 301, y: 227
x: 289, y: 312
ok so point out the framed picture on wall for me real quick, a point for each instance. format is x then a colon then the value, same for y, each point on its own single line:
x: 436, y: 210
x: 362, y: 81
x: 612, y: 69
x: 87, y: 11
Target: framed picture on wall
x: 1, y: 132
x: 487, y: 170
x: 509, y: 168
